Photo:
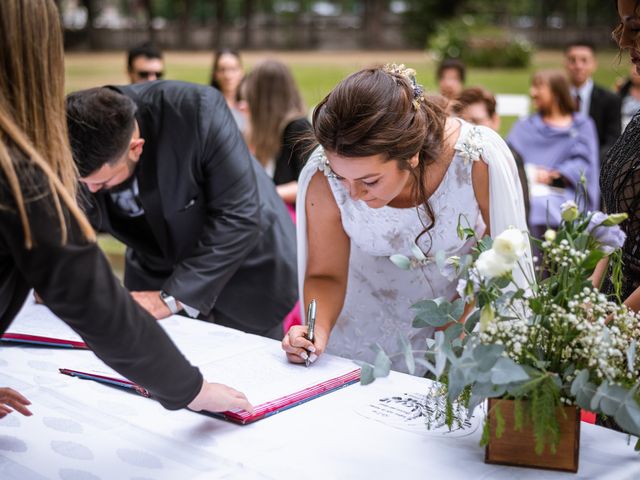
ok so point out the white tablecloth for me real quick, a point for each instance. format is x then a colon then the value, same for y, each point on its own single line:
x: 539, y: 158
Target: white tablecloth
x: 83, y: 430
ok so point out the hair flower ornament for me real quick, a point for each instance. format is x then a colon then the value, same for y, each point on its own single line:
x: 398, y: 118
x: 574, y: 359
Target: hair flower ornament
x: 410, y: 75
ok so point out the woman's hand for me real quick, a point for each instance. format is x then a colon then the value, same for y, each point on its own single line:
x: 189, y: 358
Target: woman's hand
x: 10, y: 399
x: 215, y: 397
x: 299, y: 348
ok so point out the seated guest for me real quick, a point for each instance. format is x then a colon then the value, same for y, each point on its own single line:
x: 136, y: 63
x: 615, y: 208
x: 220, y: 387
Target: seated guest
x: 145, y: 63
x: 226, y: 75
x: 171, y: 177
x: 478, y: 106
x: 278, y: 125
x: 47, y: 244
x: 558, y: 146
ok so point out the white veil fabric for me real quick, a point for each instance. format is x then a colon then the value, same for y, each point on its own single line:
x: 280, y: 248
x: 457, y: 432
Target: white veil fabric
x: 474, y: 143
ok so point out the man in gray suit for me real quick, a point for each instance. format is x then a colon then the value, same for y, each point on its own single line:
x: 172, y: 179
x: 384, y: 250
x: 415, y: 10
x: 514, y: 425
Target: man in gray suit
x: 168, y: 174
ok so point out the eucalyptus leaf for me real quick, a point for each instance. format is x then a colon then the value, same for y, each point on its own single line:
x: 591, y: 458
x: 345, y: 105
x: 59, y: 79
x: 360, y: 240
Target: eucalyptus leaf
x: 428, y: 365
x: 417, y: 252
x: 487, y: 355
x: 366, y: 373
x: 456, y: 383
x: 457, y: 307
x: 628, y: 417
x: 612, y: 399
x: 429, y: 314
x: 407, y: 350
x: 453, y: 332
x: 401, y: 261
x: 472, y: 321
x: 382, y: 364
x: 507, y: 371
x: 583, y: 390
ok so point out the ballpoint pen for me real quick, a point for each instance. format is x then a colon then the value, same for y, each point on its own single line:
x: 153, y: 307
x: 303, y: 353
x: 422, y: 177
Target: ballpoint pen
x: 311, y: 323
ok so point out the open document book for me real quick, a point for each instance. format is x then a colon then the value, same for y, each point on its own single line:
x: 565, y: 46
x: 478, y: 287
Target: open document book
x: 254, y: 365
x: 36, y: 324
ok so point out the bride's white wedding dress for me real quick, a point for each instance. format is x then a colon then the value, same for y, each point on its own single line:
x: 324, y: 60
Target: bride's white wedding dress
x: 380, y: 294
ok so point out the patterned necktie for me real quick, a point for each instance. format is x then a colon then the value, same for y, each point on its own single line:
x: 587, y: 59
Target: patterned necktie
x: 578, y: 101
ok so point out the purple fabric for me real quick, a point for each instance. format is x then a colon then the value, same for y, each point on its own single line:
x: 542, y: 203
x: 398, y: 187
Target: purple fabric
x: 572, y: 150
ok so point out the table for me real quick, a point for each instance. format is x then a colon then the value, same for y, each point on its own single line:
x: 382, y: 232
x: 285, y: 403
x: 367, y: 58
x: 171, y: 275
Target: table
x: 83, y: 430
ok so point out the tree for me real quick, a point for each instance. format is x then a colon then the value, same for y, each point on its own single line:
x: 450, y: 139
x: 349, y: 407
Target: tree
x: 423, y: 17
x: 373, y: 13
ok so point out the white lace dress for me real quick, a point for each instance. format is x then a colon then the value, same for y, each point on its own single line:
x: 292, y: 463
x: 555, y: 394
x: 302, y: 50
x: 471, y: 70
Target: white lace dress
x: 379, y: 294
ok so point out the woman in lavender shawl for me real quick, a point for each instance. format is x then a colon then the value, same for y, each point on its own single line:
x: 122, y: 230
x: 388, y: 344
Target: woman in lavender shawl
x: 558, y: 146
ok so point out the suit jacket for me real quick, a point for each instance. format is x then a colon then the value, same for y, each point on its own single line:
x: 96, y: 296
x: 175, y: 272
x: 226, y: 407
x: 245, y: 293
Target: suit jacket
x: 223, y: 240
x: 605, y: 112
x: 76, y: 282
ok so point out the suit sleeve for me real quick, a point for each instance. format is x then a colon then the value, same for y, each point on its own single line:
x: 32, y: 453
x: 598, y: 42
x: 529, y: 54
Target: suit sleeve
x: 76, y: 282
x: 612, y: 122
x: 232, y: 227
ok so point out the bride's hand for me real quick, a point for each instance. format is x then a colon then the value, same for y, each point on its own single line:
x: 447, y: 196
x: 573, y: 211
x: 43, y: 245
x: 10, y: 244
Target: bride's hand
x: 299, y: 348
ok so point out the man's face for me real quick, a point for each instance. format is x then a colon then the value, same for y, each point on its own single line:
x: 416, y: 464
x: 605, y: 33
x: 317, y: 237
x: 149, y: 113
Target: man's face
x: 145, y: 69
x: 478, y: 114
x: 580, y: 64
x: 111, y: 175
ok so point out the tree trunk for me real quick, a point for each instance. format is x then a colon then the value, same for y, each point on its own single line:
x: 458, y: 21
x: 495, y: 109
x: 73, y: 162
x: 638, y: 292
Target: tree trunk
x: 90, y: 31
x: 373, y: 13
x: 218, y: 27
x: 249, y: 7
x: 185, y: 23
x: 148, y: 8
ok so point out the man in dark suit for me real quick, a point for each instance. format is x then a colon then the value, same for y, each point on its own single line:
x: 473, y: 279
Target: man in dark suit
x: 171, y: 177
x: 602, y: 105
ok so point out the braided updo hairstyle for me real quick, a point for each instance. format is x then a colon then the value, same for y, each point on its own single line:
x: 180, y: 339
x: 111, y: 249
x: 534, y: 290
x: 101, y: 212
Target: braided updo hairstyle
x: 381, y: 111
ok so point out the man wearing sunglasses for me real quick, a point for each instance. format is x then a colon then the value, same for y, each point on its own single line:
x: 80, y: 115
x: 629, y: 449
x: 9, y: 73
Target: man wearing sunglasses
x: 145, y: 63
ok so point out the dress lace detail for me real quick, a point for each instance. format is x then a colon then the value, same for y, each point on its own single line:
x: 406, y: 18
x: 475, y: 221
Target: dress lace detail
x: 379, y: 294
x: 620, y: 187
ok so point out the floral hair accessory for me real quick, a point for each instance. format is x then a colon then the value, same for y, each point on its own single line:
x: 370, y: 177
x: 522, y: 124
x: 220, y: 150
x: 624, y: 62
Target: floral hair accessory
x: 409, y: 74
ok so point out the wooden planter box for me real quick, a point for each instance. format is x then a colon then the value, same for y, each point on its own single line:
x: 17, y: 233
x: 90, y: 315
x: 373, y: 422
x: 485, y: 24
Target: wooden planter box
x: 517, y: 448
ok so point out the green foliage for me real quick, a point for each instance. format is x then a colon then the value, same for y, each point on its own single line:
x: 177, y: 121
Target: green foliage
x: 518, y: 415
x: 479, y: 45
x: 545, y: 401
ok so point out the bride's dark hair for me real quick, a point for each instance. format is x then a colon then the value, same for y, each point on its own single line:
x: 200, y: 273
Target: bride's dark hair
x: 375, y: 111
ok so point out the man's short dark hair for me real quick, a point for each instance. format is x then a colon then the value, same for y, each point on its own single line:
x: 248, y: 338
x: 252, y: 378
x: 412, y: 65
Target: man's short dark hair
x: 101, y: 122
x: 452, y: 64
x: 581, y: 43
x: 472, y: 95
x: 146, y: 49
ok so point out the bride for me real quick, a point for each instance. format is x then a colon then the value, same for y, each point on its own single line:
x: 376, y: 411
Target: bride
x: 392, y: 172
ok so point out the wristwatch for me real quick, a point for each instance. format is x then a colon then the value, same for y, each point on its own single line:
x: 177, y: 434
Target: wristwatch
x: 170, y: 301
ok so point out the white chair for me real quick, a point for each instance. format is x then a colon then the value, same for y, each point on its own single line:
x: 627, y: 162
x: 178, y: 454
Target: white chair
x: 512, y: 105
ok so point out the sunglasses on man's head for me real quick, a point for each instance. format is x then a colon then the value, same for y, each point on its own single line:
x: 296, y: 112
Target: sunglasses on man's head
x: 146, y: 74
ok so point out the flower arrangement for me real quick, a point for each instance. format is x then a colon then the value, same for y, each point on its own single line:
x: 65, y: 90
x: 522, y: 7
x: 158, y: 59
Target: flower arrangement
x: 551, y: 341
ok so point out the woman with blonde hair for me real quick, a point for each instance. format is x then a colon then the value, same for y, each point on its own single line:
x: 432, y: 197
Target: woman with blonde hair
x: 47, y: 244
x: 278, y: 124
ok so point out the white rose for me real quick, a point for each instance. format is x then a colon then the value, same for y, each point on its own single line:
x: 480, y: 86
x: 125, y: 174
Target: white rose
x: 511, y: 244
x: 491, y: 265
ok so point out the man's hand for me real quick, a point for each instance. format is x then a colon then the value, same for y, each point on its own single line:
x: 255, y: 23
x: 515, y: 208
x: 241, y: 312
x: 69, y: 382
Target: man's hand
x: 9, y: 399
x: 215, y: 397
x: 152, y: 303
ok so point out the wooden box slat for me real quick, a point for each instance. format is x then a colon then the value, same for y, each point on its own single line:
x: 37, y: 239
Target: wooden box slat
x: 517, y: 448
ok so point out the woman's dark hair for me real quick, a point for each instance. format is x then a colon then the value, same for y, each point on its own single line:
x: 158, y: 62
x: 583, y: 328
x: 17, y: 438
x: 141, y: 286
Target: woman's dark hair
x: 560, y: 89
x: 372, y: 112
x: 216, y: 58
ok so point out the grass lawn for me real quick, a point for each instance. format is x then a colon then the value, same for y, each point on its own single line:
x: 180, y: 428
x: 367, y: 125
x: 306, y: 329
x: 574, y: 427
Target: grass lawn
x: 317, y: 72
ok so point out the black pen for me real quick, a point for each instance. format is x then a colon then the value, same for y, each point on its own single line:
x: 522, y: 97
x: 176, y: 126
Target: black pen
x: 311, y: 323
